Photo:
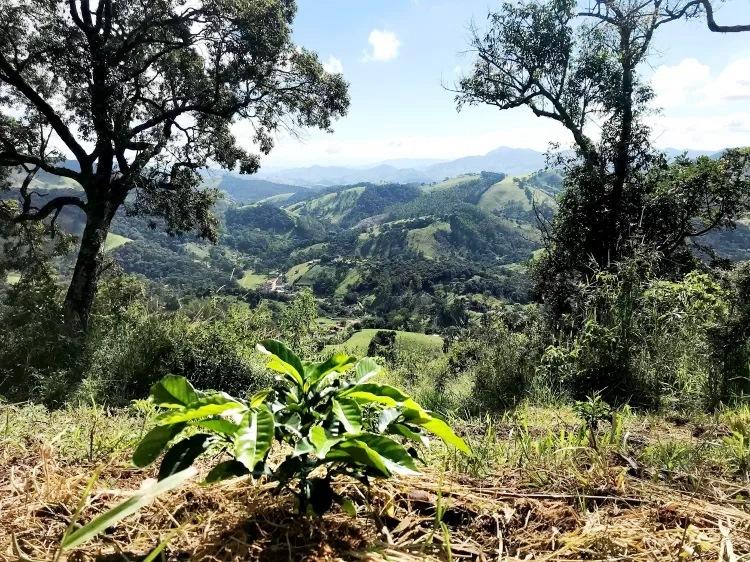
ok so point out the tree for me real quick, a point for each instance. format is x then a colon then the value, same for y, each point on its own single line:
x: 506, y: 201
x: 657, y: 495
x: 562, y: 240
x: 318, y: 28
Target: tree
x: 144, y: 95
x: 580, y: 68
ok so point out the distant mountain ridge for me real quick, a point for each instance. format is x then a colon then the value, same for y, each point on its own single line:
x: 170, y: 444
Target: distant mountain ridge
x: 501, y: 160
x: 512, y: 161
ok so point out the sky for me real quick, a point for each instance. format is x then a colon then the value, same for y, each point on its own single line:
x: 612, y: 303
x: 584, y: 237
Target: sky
x: 399, y: 55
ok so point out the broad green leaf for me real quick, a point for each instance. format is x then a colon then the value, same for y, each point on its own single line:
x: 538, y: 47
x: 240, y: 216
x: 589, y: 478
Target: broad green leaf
x: 283, y: 360
x: 366, y: 369
x: 348, y: 412
x: 138, y: 500
x: 254, y: 437
x: 353, y: 450
x: 369, y: 398
x: 442, y: 430
x: 153, y: 443
x: 397, y: 458
x: 182, y: 454
x: 322, y: 441
x: 257, y: 399
x: 173, y: 391
x: 387, y: 417
x: 337, y: 363
x: 405, y: 431
x: 379, y: 390
x: 207, y: 406
x: 292, y: 423
x: 303, y: 447
x: 226, y: 470
x: 380, y: 393
x: 218, y: 425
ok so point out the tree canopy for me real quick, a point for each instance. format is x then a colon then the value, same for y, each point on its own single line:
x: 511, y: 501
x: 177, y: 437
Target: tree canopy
x: 580, y: 67
x: 144, y: 95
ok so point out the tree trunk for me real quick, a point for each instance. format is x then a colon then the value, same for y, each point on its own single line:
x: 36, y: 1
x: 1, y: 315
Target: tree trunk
x: 82, y: 290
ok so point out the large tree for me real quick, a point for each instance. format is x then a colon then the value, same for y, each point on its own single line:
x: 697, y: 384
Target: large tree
x: 142, y: 95
x: 578, y: 65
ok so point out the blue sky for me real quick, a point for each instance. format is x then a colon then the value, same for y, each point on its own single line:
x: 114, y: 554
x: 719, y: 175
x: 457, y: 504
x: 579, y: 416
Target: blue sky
x: 397, y: 54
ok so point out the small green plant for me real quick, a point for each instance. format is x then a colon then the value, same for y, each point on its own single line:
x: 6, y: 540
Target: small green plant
x: 592, y: 411
x: 330, y: 423
x: 737, y: 446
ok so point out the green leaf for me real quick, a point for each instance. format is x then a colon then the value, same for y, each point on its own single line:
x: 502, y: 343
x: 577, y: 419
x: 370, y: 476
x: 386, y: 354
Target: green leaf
x: 218, y: 425
x: 322, y: 440
x: 337, y: 363
x: 226, y: 470
x: 375, y: 393
x: 283, y: 360
x: 207, y: 406
x: 366, y: 369
x: 257, y: 399
x: 348, y: 412
x: 409, y: 433
x: 254, y: 437
x: 138, y: 500
x: 443, y: 431
x: 303, y: 447
x: 182, y: 454
x: 153, y: 443
x: 387, y: 417
x: 173, y: 391
x: 353, y: 450
x: 348, y: 507
x: 397, y: 458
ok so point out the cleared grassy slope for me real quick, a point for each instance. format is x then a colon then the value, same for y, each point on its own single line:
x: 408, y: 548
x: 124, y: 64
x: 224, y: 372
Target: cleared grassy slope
x: 331, y: 207
x: 359, y: 342
x: 423, y: 240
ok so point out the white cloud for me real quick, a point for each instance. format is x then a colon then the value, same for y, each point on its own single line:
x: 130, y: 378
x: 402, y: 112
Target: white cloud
x: 732, y: 83
x: 691, y: 83
x: 672, y: 84
x: 333, y: 65
x: 702, y: 132
x: 384, y: 46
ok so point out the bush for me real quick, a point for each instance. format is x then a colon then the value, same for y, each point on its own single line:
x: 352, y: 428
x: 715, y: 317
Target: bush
x: 38, y: 360
x: 213, y: 349
x: 642, y: 339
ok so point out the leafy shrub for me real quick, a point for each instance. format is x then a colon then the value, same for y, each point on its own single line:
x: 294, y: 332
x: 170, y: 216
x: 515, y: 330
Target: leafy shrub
x: 38, y: 359
x: 641, y: 339
x: 331, y: 425
x: 499, y: 362
x: 211, y: 347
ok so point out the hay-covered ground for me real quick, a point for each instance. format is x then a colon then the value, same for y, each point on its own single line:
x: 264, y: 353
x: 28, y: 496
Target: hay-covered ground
x: 531, y: 492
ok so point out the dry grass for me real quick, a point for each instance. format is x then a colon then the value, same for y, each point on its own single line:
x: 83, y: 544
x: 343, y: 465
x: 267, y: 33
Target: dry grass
x: 435, y: 517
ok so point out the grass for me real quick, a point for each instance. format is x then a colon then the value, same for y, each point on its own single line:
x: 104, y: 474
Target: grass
x: 330, y: 207
x: 359, y: 342
x: 297, y: 272
x: 507, y: 192
x: 423, y: 240
x: 252, y: 280
x: 353, y: 276
x: 449, y: 184
x: 280, y: 198
x: 198, y: 251
x: 532, y: 490
x: 114, y: 241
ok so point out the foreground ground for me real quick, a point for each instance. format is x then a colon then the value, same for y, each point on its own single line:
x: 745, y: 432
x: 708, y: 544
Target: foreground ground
x: 656, y: 489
